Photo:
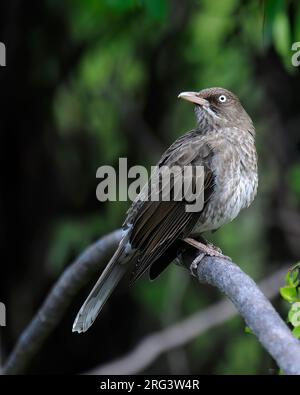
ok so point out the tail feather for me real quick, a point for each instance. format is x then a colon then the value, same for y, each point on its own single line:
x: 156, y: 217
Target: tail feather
x: 107, y: 282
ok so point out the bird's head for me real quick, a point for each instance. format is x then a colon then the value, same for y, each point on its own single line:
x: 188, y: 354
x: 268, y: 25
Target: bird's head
x: 218, y: 106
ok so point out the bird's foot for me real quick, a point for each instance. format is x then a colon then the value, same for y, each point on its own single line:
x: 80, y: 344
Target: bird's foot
x: 204, y: 249
x: 207, y: 249
x: 195, y: 263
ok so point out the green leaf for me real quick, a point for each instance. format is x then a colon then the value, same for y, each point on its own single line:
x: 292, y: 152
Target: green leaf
x: 294, y: 314
x: 289, y: 294
x: 296, y: 332
x: 282, y: 34
x: 296, y: 266
x: 297, y: 26
x: 249, y: 330
x: 292, y: 278
x: 271, y: 9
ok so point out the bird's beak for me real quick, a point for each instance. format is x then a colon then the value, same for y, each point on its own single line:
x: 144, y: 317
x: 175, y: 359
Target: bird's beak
x: 193, y: 97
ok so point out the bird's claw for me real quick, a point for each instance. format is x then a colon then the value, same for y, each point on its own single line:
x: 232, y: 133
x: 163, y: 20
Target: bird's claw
x: 215, y: 248
x: 195, y: 263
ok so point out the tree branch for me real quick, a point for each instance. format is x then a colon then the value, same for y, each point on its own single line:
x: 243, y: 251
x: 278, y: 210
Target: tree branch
x: 229, y: 278
x: 257, y: 311
x: 60, y: 297
x: 155, y: 344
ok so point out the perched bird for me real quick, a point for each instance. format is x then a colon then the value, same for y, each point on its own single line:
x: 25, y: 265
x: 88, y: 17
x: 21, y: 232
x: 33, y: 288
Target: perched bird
x: 223, y: 142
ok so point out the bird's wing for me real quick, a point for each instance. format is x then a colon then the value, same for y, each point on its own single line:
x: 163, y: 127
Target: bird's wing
x: 155, y: 225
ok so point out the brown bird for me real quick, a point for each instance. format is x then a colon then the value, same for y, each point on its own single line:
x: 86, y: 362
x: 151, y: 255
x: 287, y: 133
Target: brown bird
x: 154, y: 231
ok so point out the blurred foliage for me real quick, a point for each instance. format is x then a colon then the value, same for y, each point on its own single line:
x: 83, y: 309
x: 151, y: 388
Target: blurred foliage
x: 294, y: 180
x: 111, y: 79
x: 278, y: 29
x: 291, y: 293
x: 119, y: 99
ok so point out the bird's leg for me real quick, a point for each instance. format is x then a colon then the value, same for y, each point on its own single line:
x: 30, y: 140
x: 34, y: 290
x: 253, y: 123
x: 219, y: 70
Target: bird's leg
x: 203, y: 240
x: 206, y: 249
x: 203, y: 247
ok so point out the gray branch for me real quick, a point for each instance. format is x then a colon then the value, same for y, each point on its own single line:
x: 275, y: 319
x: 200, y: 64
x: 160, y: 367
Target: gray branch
x: 60, y: 297
x: 177, y: 335
x: 244, y: 293
x: 259, y: 314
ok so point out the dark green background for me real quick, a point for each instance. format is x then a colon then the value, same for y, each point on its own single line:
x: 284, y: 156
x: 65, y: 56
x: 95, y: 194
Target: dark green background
x: 89, y: 81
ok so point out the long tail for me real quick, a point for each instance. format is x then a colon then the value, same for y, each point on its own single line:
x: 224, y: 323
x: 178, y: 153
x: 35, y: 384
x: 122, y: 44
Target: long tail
x: 105, y: 285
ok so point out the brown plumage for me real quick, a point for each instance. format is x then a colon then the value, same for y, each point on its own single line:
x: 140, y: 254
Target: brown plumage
x: 224, y: 144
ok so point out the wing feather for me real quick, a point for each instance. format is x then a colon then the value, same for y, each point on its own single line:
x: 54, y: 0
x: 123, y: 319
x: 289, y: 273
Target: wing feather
x: 156, y: 225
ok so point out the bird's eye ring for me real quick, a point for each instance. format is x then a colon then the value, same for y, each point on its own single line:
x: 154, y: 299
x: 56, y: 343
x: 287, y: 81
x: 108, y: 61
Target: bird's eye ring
x: 222, y: 98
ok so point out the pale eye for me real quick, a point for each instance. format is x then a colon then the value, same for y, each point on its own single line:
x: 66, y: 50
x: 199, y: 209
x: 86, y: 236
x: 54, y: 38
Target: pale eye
x: 222, y: 98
